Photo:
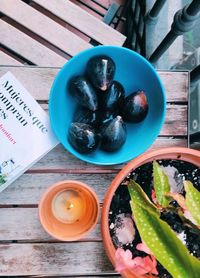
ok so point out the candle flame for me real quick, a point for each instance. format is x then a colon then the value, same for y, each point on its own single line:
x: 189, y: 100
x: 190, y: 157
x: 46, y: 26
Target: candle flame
x: 69, y: 205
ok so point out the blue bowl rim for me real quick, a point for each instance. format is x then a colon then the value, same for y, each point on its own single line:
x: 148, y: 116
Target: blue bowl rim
x: 75, y: 153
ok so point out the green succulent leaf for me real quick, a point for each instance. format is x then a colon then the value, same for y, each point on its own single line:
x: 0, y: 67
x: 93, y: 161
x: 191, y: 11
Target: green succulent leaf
x: 192, y: 198
x: 161, y: 185
x: 160, y: 238
x: 139, y: 196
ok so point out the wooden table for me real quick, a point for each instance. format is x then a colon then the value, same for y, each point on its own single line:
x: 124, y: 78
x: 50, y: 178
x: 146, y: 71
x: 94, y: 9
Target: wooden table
x: 25, y: 248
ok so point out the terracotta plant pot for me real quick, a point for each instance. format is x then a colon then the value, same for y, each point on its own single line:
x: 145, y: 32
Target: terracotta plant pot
x: 176, y: 153
x: 89, y: 211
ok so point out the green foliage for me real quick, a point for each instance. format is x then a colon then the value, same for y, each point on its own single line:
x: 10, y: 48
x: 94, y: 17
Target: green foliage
x: 140, y: 197
x: 2, y: 179
x: 161, y: 185
x: 192, y: 199
x: 160, y: 238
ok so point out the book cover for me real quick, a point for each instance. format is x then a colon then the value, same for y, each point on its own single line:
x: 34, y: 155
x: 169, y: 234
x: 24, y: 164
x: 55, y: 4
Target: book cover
x: 25, y: 133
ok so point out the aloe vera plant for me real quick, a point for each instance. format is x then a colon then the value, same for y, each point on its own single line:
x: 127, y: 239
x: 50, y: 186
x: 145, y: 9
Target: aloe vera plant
x: 192, y: 200
x: 161, y: 185
x: 160, y: 239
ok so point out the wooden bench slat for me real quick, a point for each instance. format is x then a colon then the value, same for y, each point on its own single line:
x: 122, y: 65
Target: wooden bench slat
x: 43, y: 26
x: 13, y: 226
x: 175, y: 121
x: 75, y: 258
x: 174, y: 114
x: 176, y: 85
x: 27, y: 47
x: 59, y: 158
x: 29, y: 188
x: 83, y: 21
x: 8, y: 60
x: 38, y: 82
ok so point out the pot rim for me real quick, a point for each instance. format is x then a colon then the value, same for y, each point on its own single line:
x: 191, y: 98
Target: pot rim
x: 179, y: 153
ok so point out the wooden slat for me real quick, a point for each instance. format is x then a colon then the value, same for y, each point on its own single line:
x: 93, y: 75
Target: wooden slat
x: 13, y: 226
x: 175, y: 121
x: 73, y: 259
x: 8, y: 60
x: 29, y: 188
x: 90, y: 8
x: 27, y: 47
x: 59, y: 158
x: 38, y: 82
x: 176, y: 85
x: 83, y: 21
x: 169, y: 142
x: 43, y: 26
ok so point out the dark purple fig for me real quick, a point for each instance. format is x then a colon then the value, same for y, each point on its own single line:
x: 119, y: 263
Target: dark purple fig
x: 84, y: 93
x: 83, y: 137
x: 107, y: 115
x: 114, y: 96
x: 135, y: 107
x: 86, y: 116
x: 101, y: 70
x: 113, y: 134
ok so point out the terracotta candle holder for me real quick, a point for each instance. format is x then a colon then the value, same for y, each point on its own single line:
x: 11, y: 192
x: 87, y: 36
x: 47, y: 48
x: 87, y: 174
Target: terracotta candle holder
x: 68, y: 210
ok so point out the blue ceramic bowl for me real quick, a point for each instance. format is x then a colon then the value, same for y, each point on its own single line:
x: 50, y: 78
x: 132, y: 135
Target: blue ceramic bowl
x: 133, y: 72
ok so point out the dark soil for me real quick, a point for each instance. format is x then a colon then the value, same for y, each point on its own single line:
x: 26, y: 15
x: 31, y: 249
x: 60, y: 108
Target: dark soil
x: 143, y: 176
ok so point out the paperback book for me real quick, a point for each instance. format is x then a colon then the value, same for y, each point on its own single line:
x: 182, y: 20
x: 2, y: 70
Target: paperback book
x: 25, y: 133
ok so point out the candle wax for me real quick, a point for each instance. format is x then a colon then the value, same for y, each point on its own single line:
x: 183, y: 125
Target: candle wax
x: 68, y: 206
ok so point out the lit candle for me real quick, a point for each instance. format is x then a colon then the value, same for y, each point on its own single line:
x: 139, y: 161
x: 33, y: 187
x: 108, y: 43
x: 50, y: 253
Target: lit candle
x: 68, y: 206
x: 69, y: 210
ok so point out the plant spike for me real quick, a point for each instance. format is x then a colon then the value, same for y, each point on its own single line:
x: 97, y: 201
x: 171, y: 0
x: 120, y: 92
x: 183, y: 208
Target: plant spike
x: 192, y: 198
x: 161, y: 185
